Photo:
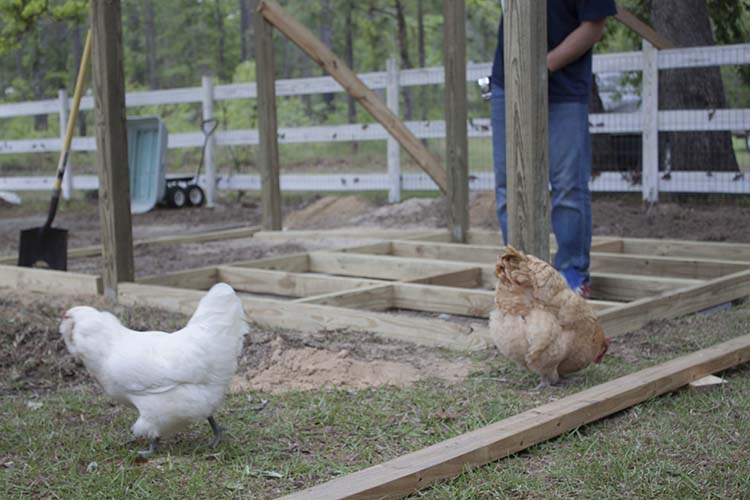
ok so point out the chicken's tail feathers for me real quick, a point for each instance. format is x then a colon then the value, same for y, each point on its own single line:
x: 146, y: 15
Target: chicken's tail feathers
x: 222, y: 307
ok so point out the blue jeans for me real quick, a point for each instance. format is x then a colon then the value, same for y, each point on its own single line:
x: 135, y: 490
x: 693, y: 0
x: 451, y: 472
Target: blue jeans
x: 570, y: 171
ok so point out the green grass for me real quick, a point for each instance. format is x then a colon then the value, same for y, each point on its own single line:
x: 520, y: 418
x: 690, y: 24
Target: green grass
x: 681, y: 445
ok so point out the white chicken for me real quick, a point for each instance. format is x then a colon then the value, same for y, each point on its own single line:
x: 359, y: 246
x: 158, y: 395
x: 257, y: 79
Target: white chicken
x: 172, y: 379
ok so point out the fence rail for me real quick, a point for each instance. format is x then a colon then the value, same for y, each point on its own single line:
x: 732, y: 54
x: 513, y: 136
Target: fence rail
x: 647, y: 122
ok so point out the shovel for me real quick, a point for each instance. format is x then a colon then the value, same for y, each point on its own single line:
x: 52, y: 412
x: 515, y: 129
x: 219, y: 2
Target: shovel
x: 47, y: 246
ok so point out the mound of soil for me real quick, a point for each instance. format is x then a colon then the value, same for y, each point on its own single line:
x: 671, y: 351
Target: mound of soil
x: 33, y: 356
x: 328, y: 212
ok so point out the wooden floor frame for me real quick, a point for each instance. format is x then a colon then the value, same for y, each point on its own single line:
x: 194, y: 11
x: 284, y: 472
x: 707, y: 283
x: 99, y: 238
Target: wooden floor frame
x: 420, y: 288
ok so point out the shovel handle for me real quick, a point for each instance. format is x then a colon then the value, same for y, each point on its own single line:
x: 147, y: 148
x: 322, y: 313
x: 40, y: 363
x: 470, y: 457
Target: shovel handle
x: 65, y: 151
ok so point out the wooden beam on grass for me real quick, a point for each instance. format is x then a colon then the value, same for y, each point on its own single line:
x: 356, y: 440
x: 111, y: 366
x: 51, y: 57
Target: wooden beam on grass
x: 268, y: 142
x: 415, y: 471
x: 372, y: 298
x: 629, y: 317
x: 111, y: 145
x: 286, y: 283
x: 456, y: 138
x: 318, y: 318
x: 318, y: 52
x: 642, y: 29
x: 526, y: 138
x: 49, y: 281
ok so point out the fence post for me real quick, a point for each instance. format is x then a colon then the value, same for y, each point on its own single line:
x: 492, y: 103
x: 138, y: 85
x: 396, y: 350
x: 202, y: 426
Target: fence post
x: 650, y: 123
x: 394, y: 149
x: 67, y: 184
x: 209, y: 157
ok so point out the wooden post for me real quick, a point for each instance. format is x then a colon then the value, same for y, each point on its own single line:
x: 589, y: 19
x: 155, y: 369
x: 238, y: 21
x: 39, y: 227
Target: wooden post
x: 209, y: 157
x: 526, y: 137
x: 394, y: 148
x: 454, y: 53
x: 340, y: 72
x: 111, y: 145
x: 268, y: 148
x: 650, y: 124
x: 67, y: 184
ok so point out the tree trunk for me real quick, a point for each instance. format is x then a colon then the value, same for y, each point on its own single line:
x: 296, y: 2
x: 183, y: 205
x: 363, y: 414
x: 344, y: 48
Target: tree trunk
x: 349, y: 54
x: 220, y: 30
x: 326, y: 36
x: 423, y: 90
x: 403, y: 49
x: 153, y: 78
x: 244, y: 30
x: 687, y: 24
x: 39, y: 75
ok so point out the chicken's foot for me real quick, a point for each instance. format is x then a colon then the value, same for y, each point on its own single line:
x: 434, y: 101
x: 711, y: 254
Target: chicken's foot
x: 218, y: 432
x: 151, y: 448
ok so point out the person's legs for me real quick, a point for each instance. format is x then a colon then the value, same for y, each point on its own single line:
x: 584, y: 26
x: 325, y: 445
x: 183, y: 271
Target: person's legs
x: 570, y: 171
x: 498, y: 156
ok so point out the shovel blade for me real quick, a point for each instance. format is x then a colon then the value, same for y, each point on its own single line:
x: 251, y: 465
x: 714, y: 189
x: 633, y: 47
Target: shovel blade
x: 44, y: 247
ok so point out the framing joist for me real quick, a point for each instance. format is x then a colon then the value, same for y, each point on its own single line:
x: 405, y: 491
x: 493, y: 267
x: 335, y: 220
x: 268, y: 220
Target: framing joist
x: 45, y: 280
x: 415, y: 471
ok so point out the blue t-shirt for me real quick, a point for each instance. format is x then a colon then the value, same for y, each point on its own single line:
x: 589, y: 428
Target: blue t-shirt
x: 573, y: 82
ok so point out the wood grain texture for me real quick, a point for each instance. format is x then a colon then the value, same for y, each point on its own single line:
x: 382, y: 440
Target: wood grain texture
x: 372, y: 298
x: 526, y: 139
x: 47, y: 280
x: 322, y: 55
x: 289, y: 284
x: 457, y: 145
x: 634, y: 315
x: 268, y: 147
x: 317, y: 318
x: 111, y: 145
x: 412, y: 472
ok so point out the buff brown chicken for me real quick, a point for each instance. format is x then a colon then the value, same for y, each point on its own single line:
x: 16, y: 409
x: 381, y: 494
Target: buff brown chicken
x: 539, y: 322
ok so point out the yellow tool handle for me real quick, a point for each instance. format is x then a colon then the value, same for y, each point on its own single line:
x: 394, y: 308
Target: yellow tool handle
x: 82, y: 73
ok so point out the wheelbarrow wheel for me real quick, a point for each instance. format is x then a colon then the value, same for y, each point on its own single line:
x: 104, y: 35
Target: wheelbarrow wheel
x: 196, y: 196
x: 176, y: 197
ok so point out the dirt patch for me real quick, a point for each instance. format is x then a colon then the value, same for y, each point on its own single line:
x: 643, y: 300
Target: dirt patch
x: 414, y: 212
x: 33, y: 357
x: 283, y: 364
x: 328, y: 212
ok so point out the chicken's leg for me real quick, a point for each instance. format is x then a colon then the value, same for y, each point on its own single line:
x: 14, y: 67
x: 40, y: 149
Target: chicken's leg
x: 151, y: 448
x: 218, y: 433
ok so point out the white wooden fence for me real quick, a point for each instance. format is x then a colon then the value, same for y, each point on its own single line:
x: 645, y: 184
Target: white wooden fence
x: 648, y: 122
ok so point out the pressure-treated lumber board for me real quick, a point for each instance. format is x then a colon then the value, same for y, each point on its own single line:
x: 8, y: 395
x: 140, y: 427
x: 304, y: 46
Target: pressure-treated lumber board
x: 526, y: 127
x: 111, y: 145
x: 629, y: 317
x: 318, y: 318
x: 642, y: 29
x: 49, y: 281
x: 372, y: 298
x: 623, y: 287
x: 606, y: 262
x: 607, y: 245
x: 351, y: 233
x: 456, y: 137
x: 673, y: 267
x: 465, y: 278
x: 318, y: 52
x: 285, y: 283
x: 417, y: 470
x: 688, y: 249
x: 296, y: 262
x: 268, y: 140
x: 380, y: 266
x: 201, y: 278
